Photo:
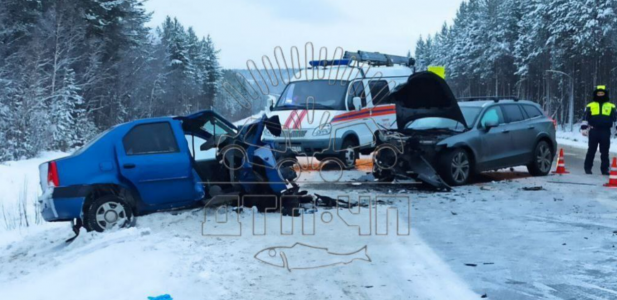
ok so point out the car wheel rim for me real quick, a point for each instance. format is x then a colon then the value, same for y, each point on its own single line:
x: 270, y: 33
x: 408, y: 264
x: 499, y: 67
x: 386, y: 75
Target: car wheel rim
x: 543, y: 158
x: 460, y: 167
x: 111, y: 214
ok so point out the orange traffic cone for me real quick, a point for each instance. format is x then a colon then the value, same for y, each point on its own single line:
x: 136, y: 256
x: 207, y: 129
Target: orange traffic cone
x: 612, y: 181
x: 561, y: 164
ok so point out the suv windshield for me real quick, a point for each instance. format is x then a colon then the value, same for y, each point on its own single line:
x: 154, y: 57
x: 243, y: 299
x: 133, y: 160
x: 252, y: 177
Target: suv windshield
x: 469, y: 113
x: 326, y: 94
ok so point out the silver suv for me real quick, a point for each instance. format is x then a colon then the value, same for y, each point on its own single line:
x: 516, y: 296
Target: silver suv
x: 442, y: 141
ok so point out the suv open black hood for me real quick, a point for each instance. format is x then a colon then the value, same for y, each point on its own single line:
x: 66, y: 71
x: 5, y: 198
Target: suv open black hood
x: 425, y: 95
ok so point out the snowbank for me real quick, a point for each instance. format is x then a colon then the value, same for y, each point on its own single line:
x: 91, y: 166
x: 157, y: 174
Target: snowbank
x: 19, y: 183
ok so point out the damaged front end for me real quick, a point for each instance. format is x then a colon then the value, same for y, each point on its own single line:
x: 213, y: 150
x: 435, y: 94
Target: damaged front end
x: 402, y: 157
x: 414, y: 152
x: 266, y: 178
x: 244, y: 164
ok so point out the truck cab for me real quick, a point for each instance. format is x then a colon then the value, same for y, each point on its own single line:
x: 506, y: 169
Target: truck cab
x: 335, y: 108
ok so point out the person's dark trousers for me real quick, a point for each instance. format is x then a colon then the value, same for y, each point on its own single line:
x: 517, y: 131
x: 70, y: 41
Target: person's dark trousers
x: 602, y: 138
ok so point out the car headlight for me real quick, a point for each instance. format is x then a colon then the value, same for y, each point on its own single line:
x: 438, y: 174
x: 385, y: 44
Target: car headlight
x: 323, y: 130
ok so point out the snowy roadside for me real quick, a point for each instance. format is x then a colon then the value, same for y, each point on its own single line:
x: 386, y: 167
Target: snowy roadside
x: 19, y: 183
x: 577, y: 140
x: 166, y: 253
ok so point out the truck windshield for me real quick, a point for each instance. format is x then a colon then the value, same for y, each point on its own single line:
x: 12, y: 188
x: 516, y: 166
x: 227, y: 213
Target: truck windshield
x: 326, y: 94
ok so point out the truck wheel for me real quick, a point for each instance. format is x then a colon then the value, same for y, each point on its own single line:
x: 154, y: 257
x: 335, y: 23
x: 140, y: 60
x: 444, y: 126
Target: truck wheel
x: 106, y: 213
x: 349, y: 153
x: 456, y: 167
x: 542, y: 160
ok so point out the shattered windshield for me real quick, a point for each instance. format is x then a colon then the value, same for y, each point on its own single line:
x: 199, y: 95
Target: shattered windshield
x: 326, y: 94
x: 217, y: 128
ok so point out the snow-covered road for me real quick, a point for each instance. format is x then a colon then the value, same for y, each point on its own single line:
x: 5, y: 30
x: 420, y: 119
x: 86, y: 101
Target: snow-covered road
x: 492, y: 238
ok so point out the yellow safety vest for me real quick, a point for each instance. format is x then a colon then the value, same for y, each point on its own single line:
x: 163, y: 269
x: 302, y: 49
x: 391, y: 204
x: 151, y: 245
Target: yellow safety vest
x: 606, y: 109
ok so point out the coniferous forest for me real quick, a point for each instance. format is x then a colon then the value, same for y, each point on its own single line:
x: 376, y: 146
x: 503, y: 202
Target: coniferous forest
x: 505, y: 47
x: 69, y: 69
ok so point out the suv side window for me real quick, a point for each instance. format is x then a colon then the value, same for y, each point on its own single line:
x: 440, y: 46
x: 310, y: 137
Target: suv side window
x: 379, y: 91
x: 513, y: 113
x: 492, y: 114
x: 357, y: 90
x: 532, y: 111
x: 154, y: 138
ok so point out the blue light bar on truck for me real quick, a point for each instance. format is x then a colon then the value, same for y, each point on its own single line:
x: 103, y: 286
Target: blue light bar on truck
x: 326, y: 63
x: 379, y: 59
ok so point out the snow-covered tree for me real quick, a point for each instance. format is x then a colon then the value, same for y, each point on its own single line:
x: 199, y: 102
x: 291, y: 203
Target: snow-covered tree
x: 68, y: 68
x: 62, y: 112
x: 505, y: 47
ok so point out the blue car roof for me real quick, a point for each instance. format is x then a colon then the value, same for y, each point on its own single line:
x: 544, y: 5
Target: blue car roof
x: 207, y: 114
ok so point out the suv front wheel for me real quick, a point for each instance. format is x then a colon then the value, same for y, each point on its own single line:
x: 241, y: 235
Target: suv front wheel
x: 542, y: 160
x: 456, y: 167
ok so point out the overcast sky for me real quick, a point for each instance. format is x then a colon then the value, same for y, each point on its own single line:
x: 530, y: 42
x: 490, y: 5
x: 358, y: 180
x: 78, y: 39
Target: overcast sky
x: 249, y: 29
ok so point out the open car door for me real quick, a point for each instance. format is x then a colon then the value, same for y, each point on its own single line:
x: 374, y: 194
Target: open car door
x: 425, y: 95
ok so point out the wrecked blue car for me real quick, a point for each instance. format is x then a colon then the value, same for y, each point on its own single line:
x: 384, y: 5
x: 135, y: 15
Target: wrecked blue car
x: 162, y: 164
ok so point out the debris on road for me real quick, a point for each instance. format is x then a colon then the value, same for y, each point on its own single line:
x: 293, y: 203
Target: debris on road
x: 471, y: 265
x: 325, y: 201
x: 163, y: 297
x: 533, y: 188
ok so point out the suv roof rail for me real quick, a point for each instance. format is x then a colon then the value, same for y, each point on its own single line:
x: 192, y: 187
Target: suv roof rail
x: 379, y: 59
x: 488, y: 98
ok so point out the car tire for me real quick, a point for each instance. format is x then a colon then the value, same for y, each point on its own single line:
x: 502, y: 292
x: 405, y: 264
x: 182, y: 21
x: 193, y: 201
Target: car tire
x: 288, y: 166
x: 349, y: 153
x: 383, y: 168
x: 456, y: 167
x: 106, y: 213
x: 542, y: 160
x: 382, y: 175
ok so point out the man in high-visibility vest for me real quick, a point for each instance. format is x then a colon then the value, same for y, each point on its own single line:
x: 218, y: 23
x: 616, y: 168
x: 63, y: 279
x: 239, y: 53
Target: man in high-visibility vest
x: 600, y: 116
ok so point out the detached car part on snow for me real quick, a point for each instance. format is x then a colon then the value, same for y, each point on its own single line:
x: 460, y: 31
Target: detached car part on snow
x: 442, y: 142
x: 152, y: 165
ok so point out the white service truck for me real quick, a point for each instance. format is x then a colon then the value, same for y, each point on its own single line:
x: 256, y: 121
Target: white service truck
x: 335, y: 108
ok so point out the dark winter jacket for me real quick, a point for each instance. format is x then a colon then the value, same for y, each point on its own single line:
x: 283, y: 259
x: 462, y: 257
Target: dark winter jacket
x: 601, y: 114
